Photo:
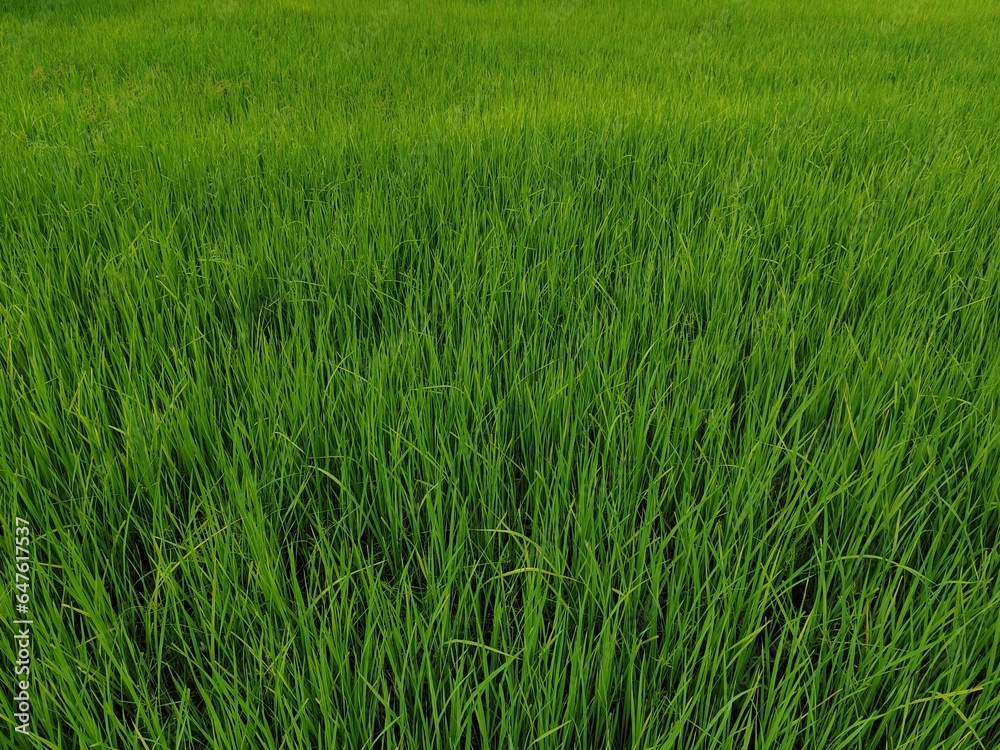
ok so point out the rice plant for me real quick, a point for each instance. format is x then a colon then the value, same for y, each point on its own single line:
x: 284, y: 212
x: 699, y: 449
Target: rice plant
x: 477, y: 374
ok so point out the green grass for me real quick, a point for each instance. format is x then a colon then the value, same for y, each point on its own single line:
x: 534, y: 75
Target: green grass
x: 445, y: 374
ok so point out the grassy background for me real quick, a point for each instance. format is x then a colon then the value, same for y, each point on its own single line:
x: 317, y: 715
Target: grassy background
x: 504, y: 375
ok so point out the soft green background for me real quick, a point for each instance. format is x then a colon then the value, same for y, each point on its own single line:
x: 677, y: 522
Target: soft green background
x: 504, y: 375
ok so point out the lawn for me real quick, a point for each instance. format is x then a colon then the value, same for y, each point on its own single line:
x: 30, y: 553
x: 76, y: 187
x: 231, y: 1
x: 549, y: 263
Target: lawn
x: 501, y: 375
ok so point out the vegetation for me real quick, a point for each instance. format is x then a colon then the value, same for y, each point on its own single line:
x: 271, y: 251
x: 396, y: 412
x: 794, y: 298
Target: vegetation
x: 467, y: 374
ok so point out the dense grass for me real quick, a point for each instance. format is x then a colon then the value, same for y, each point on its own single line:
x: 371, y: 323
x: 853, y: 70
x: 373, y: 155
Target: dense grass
x: 445, y: 374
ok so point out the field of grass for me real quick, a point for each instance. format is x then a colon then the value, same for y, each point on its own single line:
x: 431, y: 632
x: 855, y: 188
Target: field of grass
x: 481, y: 374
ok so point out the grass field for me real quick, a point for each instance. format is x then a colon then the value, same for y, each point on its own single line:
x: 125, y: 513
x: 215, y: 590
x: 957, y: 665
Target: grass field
x: 511, y: 375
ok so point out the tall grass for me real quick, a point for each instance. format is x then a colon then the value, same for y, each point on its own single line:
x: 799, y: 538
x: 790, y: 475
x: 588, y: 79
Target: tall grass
x: 446, y: 374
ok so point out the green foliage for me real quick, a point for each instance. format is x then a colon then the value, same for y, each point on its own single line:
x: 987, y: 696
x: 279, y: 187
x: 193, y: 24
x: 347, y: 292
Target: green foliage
x: 444, y: 374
